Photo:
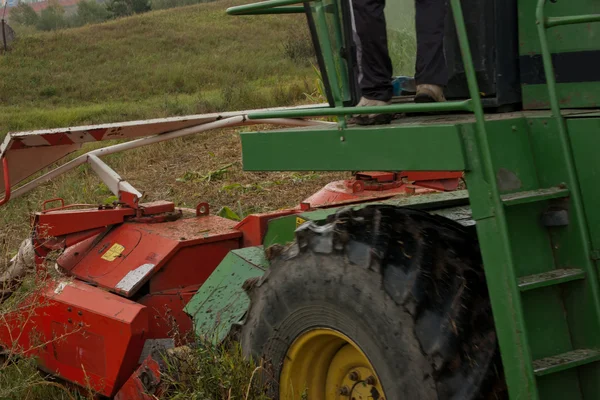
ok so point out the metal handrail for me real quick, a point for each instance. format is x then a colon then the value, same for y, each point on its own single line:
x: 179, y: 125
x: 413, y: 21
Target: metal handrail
x: 466, y: 105
x: 474, y: 104
x: 573, y: 19
x: 278, y: 10
x: 268, y: 7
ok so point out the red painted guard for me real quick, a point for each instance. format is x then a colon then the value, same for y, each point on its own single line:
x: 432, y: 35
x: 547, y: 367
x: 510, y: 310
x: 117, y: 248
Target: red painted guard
x: 80, y: 333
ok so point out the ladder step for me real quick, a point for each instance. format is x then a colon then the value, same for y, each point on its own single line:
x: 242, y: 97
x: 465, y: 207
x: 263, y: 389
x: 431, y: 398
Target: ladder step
x: 550, y: 278
x: 561, y: 362
x: 531, y: 196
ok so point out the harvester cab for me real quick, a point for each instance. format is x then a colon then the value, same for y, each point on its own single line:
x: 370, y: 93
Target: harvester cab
x: 487, y: 292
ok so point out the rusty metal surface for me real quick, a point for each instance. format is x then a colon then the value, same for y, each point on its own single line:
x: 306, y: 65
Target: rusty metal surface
x: 144, y: 383
x: 191, y: 265
x: 194, y: 230
x: 105, y: 333
x: 62, y: 222
x: 166, y: 317
x: 76, y: 323
x: 126, y: 257
x: 254, y: 227
x: 381, y: 185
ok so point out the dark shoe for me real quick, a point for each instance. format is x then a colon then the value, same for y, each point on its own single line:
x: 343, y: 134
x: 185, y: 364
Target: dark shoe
x: 371, y: 119
x: 429, y: 94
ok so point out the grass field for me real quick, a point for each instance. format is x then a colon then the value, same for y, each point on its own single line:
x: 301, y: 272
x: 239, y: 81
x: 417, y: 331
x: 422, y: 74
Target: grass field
x: 173, y: 62
x: 180, y: 61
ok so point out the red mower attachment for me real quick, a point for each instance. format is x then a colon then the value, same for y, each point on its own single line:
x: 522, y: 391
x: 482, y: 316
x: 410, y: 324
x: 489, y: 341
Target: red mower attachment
x: 382, y: 185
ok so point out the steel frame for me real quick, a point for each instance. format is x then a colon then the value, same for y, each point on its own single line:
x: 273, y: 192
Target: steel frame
x: 126, y: 193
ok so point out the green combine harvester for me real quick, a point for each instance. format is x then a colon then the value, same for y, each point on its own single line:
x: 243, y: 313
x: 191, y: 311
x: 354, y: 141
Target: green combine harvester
x: 484, y: 293
x: 404, y: 290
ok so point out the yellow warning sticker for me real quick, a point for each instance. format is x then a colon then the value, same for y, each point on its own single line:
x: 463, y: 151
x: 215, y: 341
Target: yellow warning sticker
x: 114, y: 252
x: 299, y: 221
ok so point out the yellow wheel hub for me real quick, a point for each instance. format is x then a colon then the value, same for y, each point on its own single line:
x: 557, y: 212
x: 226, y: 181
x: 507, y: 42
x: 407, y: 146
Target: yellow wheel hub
x: 326, y: 364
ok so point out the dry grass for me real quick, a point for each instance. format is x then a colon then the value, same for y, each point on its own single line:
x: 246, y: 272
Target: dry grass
x: 154, y: 65
x: 184, y: 165
x: 209, y: 372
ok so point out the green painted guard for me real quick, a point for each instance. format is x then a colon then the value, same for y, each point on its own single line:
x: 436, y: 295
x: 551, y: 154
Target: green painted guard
x: 221, y: 303
x: 388, y: 148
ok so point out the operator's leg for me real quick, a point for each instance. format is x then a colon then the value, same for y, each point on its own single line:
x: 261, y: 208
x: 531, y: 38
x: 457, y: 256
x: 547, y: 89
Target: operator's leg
x: 375, y: 66
x: 431, y: 72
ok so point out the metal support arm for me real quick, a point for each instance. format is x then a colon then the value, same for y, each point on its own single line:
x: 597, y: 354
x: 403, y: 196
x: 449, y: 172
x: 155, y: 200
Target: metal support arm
x: 126, y: 193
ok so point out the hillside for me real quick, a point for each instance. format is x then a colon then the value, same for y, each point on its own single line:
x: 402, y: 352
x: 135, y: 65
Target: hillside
x: 186, y: 60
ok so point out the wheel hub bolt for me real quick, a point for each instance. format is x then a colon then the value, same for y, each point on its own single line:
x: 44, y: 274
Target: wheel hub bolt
x: 354, y: 376
x: 344, y: 391
x: 371, y: 381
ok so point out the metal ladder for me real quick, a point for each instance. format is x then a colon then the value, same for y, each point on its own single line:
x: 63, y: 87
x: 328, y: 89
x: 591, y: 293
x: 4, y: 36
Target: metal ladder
x: 567, y: 292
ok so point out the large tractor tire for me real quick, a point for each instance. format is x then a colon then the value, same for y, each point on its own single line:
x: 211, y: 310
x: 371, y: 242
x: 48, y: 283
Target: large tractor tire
x: 379, y: 303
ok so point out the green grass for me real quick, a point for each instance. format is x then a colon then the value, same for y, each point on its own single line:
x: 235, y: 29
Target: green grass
x: 400, y: 19
x: 219, y: 372
x: 172, y: 62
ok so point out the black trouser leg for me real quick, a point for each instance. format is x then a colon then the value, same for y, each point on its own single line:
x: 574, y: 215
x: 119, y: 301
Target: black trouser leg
x: 431, y: 66
x: 375, y: 79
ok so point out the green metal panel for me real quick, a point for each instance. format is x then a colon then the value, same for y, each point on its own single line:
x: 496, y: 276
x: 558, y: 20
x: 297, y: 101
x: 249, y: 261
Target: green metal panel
x: 548, y: 321
x: 569, y: 252
x: 570, y: 95
x: 221, y: 302
x: 498, y: 265
x: 561, y: 40
x: 393, y: 147
x: 585, y: 140
x: 281, y: 230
